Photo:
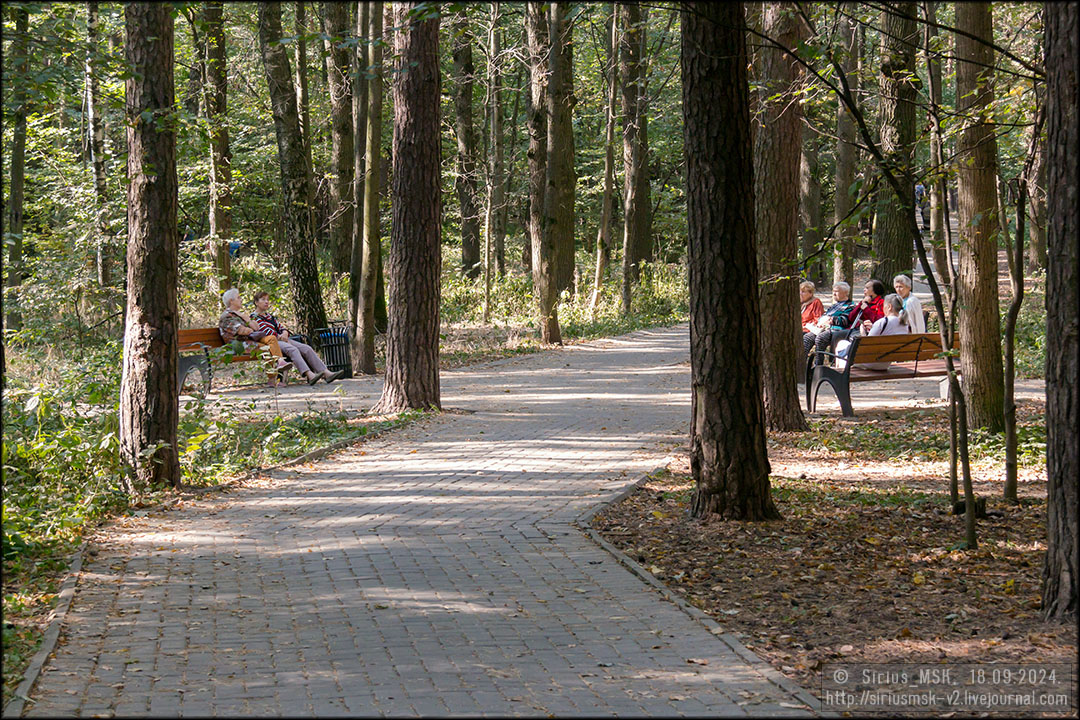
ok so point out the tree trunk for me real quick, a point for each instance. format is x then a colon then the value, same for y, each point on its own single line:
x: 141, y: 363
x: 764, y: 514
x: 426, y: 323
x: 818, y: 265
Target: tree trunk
x: 543, y: 252
x: 727, y: 451
x: 149, y: 406
x: 302, y: 94
x: 936, y: 180
x: 637, y: 205
x: 341, y: 134
x: 496, y: 170
x: 1016, y: 278
x: 1037, y: 198
x: 1060, y: 571
x: 776, y: 188
x: 898, y: 94
x: 980, y: 322
x: 810, y: 209
x: 220, y: 155
x: 102, y: 246
x: 560, y: 179
x: 13, y: 238
x: 465, y: 182
x: 361, y: 332
x: 300, y: 243
x: 603, y: 232
x: 846, y: 159
x: 194, y: 96
x: 412, y: 340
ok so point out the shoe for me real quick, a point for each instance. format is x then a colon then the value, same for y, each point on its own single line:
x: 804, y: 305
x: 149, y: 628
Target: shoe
x: 283, y: 366
x: 332, y: 376
x: 313, y: 378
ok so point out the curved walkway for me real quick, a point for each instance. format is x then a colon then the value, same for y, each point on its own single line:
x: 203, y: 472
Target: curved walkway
x: 437, y: 570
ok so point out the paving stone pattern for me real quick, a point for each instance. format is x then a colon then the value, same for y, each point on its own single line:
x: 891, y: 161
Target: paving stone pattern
x: 433, y: 571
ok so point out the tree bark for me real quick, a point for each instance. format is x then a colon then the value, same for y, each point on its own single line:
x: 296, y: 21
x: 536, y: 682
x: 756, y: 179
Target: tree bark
x: 727, y: 452
x: 362, y: 332
x: 149, y: 404
x: 220, y: 155
x: 302, y: 94
x: 372, y: 245
x: 560, y: 178
x: 898, y: 93
x: 543, y: 252
x: 980, y: 321
x: 936, y: 180
x: 465, y: 133
x: 412, y: 341
x: 1037, y: 199
x: 496, y: 166
x: 607, y: 201
x: 846, y: 159
x: 296, y: 196
x: 341, y: 134
x: 776, y: 189
x: 1060, y: 572
x: 13, y: 238
x: 637, y: 204
x: 810, y: 208
x: 104, y: 231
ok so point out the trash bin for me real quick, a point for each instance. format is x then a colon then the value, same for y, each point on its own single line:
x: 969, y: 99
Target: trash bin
x: 333, y: 346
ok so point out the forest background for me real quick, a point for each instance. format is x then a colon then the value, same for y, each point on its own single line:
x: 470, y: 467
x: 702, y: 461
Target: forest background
x: 619, y: 262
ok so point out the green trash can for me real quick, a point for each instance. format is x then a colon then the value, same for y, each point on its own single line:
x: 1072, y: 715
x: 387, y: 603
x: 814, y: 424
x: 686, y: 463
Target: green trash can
x: 333, y: 347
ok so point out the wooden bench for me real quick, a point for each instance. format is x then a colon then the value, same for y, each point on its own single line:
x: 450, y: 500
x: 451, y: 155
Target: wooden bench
x: 912, y: 356
x: 201, y: 341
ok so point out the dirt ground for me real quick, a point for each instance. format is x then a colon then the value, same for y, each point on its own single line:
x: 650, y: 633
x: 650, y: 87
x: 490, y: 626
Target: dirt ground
x: 865, y: 565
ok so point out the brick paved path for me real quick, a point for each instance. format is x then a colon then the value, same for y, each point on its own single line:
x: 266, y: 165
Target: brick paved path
x: 434, y: 571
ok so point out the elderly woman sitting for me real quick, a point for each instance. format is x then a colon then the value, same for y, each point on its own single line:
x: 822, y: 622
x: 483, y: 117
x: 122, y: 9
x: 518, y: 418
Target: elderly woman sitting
x: 235, y: 325
x: 835, y: 319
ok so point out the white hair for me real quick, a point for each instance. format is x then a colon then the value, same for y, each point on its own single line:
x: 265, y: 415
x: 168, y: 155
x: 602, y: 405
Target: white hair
x: 228, y: 296
x: 903, y: 280
x: 842, y: 286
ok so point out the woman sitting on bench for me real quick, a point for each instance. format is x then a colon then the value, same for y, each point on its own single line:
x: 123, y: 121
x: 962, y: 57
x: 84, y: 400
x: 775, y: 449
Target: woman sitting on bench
x: 236, y: 325
x: 894, y: 323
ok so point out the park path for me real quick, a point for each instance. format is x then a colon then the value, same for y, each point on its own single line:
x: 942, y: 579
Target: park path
x: 436, y: 570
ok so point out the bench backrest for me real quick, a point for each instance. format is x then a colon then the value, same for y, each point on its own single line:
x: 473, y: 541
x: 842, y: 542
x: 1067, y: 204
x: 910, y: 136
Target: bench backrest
x: 899, y: 348
x: 195, y: 338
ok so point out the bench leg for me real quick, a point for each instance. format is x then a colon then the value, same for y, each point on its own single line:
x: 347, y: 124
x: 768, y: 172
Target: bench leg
x: 840, y: 388
x: 185, y: 365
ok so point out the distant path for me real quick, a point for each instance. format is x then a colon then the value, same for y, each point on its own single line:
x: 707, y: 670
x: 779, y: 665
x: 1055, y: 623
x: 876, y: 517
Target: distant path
x: 437, y: 570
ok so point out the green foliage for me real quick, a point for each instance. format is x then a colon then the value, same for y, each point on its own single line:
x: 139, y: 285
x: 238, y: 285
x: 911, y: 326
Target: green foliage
x: 1030, y: 343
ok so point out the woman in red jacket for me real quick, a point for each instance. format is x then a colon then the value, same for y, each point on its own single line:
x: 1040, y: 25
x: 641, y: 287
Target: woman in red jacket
x: 869, y: 309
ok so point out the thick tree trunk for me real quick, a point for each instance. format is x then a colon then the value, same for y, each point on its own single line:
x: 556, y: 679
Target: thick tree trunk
x: 980, y: 321
x: 220, y: 156
x: 1060, y: 571
x: 776, y: 190
x: 341, y: 134
x: 300, y: 243
x: 412, y: 340
x: 898, y: 93
x: 607, y: 201
x: 13, y: 238
x: 543, y: 252
x: 810, y: 209
x: 372, y: 238
x: 104, y: 231
x: 936, y: 180
x: 637, y: 204
x: 846, y: 159
x: 727, y: 451
x: 560, y: 179
x: 465, y: 133
x: 149, y: 406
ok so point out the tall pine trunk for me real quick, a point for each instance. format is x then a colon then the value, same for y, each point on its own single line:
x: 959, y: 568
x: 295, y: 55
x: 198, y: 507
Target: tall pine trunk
x: 1060, y: 571
x: 465, y: 133
x: 102, y: 227
x: 296, y: 196
x: 302, y: 103
x: 846, y: 159
x: 13, y: 237
x: 637, y: 205
x: 496, y: 202
x: 412, y: 339
x: 980, y: 323
x: 149, y: 403
x: 727, y: 434
x: 603, y: 232
x: 936, y: 179
x: 543, y: 252
x: 220, y: 155
x: 560, y: 179
x: 897, y: 90
x: 341, y: 134
x: 776, y: 192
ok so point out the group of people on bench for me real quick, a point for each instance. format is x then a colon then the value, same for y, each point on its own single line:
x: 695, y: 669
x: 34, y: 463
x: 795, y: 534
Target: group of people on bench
x: 876, y: 314
x: 261, y: 328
